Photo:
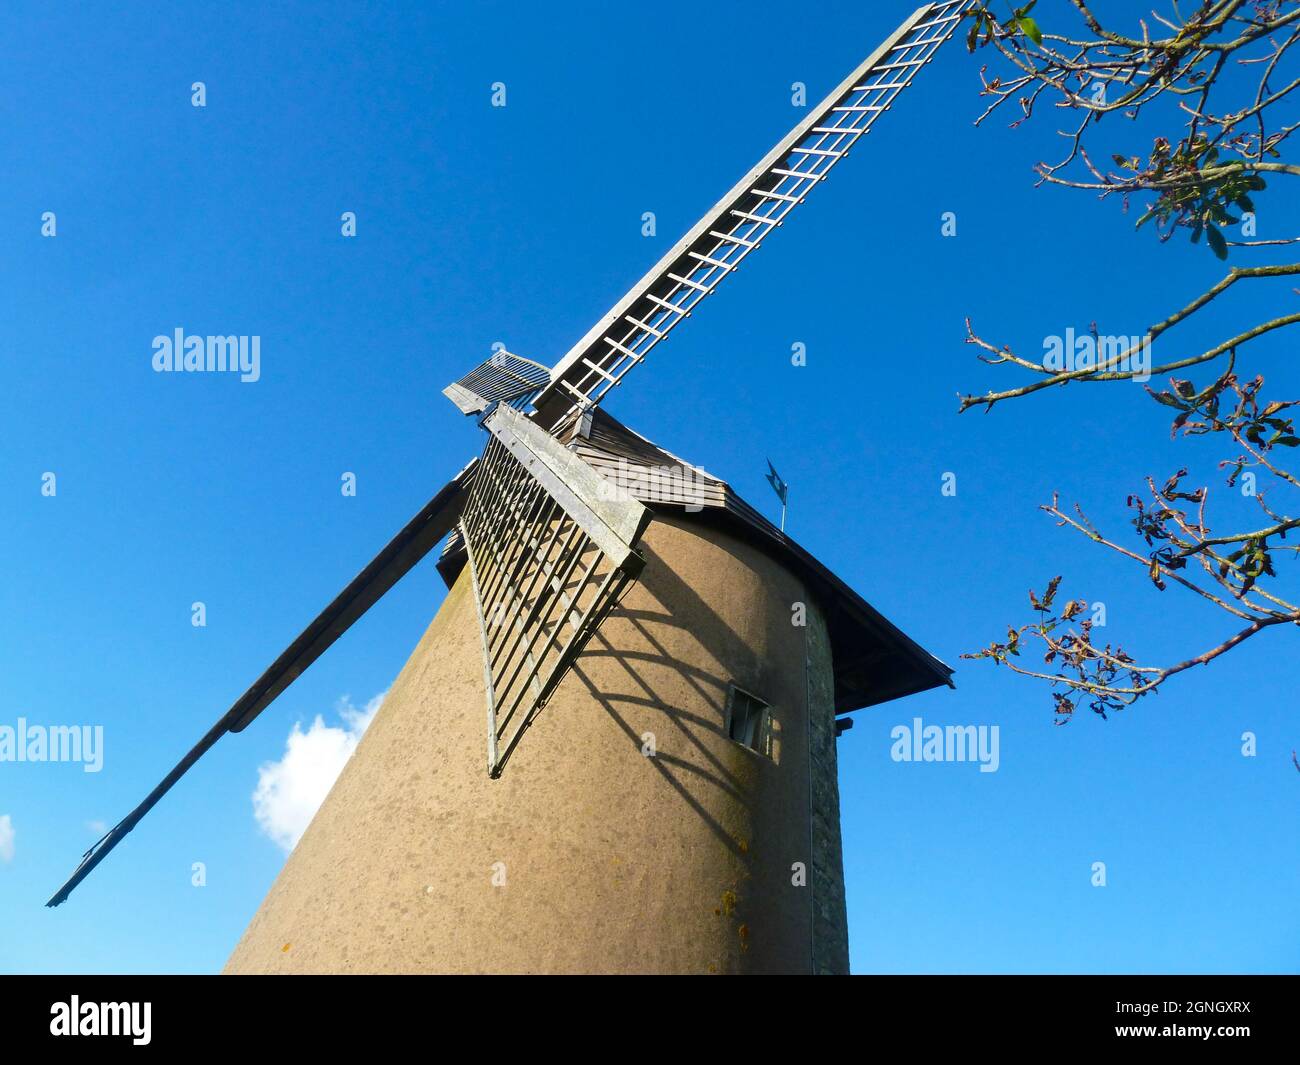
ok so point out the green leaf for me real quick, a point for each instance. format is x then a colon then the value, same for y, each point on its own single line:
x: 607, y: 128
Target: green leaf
x: 1215, y: 237
x: 1030, y: 29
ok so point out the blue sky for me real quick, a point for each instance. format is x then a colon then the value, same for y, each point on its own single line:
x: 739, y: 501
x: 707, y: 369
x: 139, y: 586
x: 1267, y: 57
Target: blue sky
x: 523, y: 225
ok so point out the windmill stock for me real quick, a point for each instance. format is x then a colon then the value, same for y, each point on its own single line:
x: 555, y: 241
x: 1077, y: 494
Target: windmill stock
x: 614, y: 747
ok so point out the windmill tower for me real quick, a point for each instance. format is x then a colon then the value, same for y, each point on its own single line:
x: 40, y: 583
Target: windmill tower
x: 614, y: 748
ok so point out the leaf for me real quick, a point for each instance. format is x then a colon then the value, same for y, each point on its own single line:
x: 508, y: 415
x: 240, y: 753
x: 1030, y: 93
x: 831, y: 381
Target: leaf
x: 1051, y: 592
x: 1030, y: 29
x: 1215, y: 237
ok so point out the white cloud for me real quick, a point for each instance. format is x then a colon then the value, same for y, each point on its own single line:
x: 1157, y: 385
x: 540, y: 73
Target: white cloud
x: 99, y: 828
x: 6, y: 839
x: 290, y: 791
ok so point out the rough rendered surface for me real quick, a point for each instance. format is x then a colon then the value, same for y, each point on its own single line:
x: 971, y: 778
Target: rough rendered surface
x: 587, y: 855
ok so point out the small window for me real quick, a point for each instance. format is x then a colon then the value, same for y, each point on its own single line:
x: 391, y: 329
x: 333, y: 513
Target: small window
x: 749, y: 721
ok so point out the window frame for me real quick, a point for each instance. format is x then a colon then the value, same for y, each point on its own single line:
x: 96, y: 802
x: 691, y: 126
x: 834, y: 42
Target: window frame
x: 763, y: 728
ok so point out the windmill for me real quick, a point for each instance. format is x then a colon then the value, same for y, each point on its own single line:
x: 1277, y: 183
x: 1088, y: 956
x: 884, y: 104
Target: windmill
x: 653, y: 675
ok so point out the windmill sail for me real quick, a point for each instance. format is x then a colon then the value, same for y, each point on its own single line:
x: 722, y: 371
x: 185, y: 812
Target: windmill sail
x: 550, y: 554
x: 504, y: 377
x: 416, y: 539
x: 743, y: 218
